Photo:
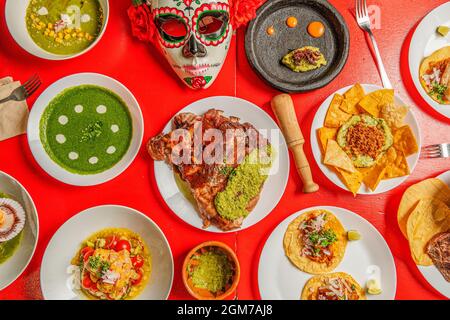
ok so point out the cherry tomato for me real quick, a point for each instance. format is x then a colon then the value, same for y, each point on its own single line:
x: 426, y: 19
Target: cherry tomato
x: 137, y: 261
x: 88, y: 283
x: 123, y: 245
x: 111, y: 242
x: 138, y: 280
x: 86, y: 253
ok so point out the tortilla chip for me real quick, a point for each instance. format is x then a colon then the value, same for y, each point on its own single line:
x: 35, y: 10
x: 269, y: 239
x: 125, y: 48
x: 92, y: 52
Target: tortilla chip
x: 372, y: 102
x: 405, y: 141
x: 351, y: 180
x: 311, y: 287
x: 429, y: 218
x: 393, y: 114
x: 324, y: 134
x: 335, y: 116
x: 352, y: 97
x: 396, y: 164
x: 429, y: 188
x: 293, y: 244
x: 345, y: 106
x: 364, y: 172
x: 374, y: 176
x: 336, y: 157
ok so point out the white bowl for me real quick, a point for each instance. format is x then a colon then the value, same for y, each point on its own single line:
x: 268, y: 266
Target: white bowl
x: 12, y: 268
x: 15, y: 14
x: 55, y: 279
x: 51, y: 167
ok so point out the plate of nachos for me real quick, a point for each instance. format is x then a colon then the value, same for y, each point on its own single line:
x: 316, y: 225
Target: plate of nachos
x: 365, y: 139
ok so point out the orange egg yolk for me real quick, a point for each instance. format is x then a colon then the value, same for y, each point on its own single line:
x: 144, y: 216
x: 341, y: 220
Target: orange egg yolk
x: 316, y: 29
x: 291, y: 22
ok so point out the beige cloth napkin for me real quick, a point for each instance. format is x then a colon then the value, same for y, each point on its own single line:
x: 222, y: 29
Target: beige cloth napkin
x: 13, y: 114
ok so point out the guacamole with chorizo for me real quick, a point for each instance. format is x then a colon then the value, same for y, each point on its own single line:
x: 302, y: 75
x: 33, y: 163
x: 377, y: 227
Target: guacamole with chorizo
x: 365, y: 138
x: 64, y: 27
x: 304, y: 59
x: 86, y: 129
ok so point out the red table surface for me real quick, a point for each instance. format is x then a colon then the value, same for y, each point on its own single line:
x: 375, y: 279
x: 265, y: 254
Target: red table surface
x: 160, y: 93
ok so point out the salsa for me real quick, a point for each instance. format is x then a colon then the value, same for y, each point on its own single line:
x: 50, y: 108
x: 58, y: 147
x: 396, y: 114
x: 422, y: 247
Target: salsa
x: 115, y: 264
x: 86, y: 129
x: 210, y: 271
x: 64, y: 26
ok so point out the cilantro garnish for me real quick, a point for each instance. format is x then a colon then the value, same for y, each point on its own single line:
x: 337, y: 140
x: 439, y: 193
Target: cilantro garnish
x: 104, y: 266
x: 92, y: 131
x: 323, y: 238
x: 226, y: 170
x: 94, y: 262
x: 439, y: 91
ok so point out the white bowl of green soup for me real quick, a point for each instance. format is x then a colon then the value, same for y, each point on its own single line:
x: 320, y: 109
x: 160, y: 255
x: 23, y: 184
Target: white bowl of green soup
x: 85, y: 129
x: 57, y: 29
x: 16, y: 252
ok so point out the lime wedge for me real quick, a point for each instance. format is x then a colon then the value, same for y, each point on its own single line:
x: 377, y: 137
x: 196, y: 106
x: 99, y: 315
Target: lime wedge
x: 373, y: 287
x: 353, y: 235
x: 443, y: 30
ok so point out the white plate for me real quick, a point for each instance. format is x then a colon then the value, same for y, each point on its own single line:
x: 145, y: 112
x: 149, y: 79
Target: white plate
x: 274, y: 186
x: 12, y: 268
x: 15, y: 14
x: 51, y: 167
x: 431, y: 273
x: 279, y: 279
x: 385, y: 185
x: 424, y: 42
x: 55, y: 279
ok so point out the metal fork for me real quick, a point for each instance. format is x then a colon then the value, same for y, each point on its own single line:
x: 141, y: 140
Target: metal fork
x: 436, y: 151
x: 363, y: 19
x: 24, y: 91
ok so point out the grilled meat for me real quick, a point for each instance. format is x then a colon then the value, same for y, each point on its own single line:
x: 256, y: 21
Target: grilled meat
x: 206, y: 180
x: 438, y: 249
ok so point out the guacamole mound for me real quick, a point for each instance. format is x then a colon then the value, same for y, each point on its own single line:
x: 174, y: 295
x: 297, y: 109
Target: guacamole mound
x: 304, y: 59
x: 244, y: 184
x: 365, y: 138
x: 213, y: 271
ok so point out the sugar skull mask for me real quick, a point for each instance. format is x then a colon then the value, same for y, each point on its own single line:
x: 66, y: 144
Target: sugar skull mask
x: 195, y: 37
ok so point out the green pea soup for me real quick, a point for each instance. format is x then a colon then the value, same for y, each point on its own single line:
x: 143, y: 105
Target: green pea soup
x: 86, y: 129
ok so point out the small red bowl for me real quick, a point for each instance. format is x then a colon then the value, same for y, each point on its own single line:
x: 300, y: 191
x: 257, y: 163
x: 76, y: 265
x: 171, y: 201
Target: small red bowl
x: 202, y: 294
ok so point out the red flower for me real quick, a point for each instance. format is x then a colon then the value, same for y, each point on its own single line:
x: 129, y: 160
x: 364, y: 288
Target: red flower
x: 142, y: 24
x: 187, y: 2
x: 198, y: 82
x: 242, y: 11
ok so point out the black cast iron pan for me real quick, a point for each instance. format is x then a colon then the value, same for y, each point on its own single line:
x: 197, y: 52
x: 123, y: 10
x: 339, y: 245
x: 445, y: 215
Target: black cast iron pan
x: 265, y: 52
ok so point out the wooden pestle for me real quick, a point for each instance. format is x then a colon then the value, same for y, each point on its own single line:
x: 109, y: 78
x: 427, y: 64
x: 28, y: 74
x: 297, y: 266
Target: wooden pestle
x: 283, y: 107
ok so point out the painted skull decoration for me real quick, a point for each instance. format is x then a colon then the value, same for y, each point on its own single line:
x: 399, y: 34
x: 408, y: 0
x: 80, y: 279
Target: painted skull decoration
x: 195, y: 37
